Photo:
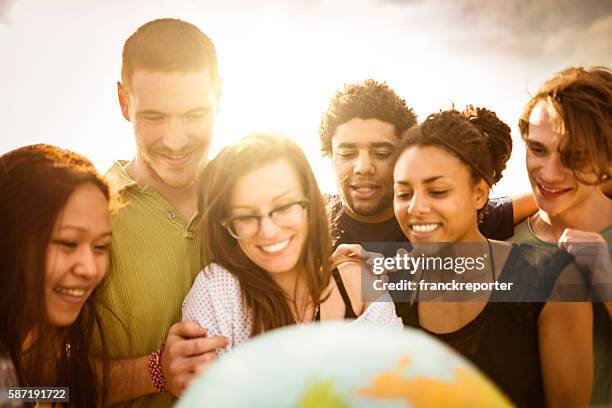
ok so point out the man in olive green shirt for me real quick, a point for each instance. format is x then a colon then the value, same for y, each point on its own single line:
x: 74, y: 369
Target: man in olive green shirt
x: 169, y: 91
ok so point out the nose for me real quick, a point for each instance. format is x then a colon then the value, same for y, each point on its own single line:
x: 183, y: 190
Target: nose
x: 364, y: 164
x: 552, y: 170
x: 85, y: 265
x: 418, y: 204
x: 267, y: 228
x: 175, y: 138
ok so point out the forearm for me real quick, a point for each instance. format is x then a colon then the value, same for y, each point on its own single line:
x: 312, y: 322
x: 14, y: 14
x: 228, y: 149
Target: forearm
x: 566, y: 353
x: 523, y: 205
x: 128, y: 379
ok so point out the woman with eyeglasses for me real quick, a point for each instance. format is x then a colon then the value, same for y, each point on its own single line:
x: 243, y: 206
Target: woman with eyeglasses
x: 265, y: 229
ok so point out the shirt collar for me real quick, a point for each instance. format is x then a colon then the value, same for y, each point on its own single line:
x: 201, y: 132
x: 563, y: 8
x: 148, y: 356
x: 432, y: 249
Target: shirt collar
x: 118, y: 177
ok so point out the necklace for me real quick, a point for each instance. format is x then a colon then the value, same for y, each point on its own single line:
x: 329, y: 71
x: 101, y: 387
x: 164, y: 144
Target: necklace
x: 491, y: 262
x: 315, y: 314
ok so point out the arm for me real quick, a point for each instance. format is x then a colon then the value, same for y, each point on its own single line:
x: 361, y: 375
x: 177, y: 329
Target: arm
x: 350, y: 273
x: 503, y: 213
x: 215, y: 302
x: 523, y: 206
x: 591, y: 253
x: 566, y: 352
x: 186, y: 350
x: 127, y: 379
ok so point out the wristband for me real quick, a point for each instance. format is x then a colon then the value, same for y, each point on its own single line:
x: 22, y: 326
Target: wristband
x: 155, y: 370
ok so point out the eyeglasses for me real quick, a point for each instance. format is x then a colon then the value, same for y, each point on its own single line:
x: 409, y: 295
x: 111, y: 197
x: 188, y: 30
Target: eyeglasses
x: 285, y: 216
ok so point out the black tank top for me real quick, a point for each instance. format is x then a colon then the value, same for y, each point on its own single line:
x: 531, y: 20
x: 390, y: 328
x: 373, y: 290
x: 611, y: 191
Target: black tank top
x: 503, y: 339
x: 349, y: 313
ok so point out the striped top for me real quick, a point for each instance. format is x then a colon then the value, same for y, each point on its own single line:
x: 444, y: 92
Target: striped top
x: 154, y: 259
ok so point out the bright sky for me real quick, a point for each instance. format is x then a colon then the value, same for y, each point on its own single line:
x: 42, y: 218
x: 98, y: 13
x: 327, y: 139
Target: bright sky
x: 281, y: 62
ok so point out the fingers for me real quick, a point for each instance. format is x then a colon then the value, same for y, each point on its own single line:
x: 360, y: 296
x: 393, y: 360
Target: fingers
x: 185, y: 365
x: 182, y: 371
x: 346, y: 253
x: 186, y: 348
x: 195, y: 347
x: 187, y: 329
x: 572, y: 235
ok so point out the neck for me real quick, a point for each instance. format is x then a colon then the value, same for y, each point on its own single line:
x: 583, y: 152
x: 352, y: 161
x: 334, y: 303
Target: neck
x: 41, y: 350
x: 379, y: 217
x: 593, y: 215
x: 183, y: 199
x: 295, y: 290
x: 472, y: 235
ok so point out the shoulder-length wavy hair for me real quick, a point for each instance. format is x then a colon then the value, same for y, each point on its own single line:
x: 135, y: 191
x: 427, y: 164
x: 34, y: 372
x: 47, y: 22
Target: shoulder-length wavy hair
x: 268, y: 302
x: 35, y: 183
x: 582, y: 99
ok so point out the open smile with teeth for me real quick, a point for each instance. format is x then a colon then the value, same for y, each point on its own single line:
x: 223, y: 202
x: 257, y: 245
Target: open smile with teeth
x: 176, y: 157
x: 70, y: 292
x: 423, y: 228
x: 553, y: 190
x: 277, y: 247
x: 364, y: 189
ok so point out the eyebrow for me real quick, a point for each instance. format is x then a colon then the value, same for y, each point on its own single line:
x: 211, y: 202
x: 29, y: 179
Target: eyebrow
x: 197, y: 111
x: 273, y: 199
x: 376, y: 145
x: 202, y: 109
x: 81, y: 229
x: 426, y: 181
x: 531, y: 142
x: 148, y: 112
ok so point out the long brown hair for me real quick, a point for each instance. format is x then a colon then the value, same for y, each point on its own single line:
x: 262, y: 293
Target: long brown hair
x: 35, y: 184
x: 261, y: 294
x: 582, y: 98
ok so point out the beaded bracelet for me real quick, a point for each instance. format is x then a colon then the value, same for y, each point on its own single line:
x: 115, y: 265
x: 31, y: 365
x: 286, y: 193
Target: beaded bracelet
x: 155, y: 370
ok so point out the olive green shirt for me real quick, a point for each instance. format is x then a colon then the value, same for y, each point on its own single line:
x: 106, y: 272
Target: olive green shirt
x: 154, y: 259
x: 602, y: 328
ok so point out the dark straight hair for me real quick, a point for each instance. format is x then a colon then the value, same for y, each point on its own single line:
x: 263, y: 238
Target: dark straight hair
x: 35, y: 183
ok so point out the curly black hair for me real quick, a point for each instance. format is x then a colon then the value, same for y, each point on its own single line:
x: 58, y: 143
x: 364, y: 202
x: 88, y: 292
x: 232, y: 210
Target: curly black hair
x: 367, y: 100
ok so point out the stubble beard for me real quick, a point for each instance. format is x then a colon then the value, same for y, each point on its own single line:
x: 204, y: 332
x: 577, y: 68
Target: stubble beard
x: 165, y: 178
x: 369, y: 209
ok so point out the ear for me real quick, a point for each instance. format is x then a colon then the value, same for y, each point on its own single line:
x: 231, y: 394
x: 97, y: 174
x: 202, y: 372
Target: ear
x: 480, y: 194
x: 124, y: 100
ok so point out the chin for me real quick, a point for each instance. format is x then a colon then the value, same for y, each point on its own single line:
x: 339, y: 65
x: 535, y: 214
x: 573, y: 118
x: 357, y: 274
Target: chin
x: 280, y: 265
x: 550, y: 207
x: 61, y: 321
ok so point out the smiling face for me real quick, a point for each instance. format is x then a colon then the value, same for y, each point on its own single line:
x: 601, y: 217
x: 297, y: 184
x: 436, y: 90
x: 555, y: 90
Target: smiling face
x: 173, y: 115
x: 435, y: 198
x: 273, y: 248
x: 77, y: 255
x: 555, y: 186
x: 363, y: 153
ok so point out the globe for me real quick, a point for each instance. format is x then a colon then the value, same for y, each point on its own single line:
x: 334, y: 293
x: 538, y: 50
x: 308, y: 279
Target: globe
x: 342, y: 364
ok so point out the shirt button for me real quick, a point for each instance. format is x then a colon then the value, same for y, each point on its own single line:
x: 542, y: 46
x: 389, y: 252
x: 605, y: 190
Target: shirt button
x: 171, y: 215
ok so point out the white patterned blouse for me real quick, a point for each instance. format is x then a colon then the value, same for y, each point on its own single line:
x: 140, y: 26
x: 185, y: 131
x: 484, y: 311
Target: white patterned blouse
x: 215, y: 302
